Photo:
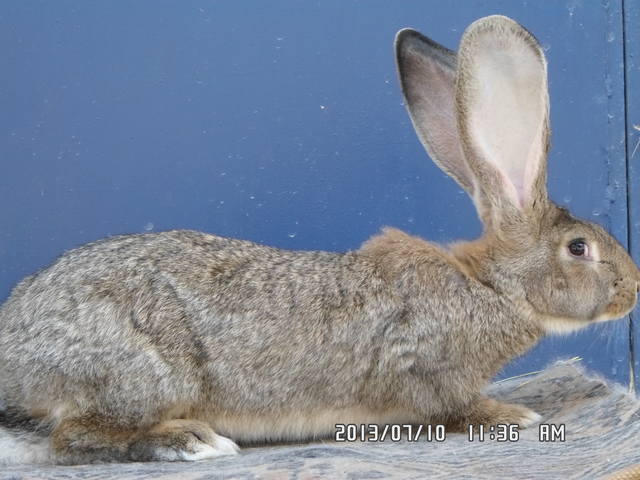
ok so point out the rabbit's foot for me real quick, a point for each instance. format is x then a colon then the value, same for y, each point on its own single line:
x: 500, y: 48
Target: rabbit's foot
x: 90, y: 438
x: 180, y: 440
x: 489, y: 412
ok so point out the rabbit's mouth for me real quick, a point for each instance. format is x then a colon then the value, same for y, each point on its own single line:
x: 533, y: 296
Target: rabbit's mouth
x: 624, y: 301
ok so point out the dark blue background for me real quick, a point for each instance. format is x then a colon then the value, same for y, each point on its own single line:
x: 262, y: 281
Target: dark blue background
x: 281, y: 122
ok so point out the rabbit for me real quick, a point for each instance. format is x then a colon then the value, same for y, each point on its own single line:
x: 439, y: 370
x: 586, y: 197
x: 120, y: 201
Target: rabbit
x: 180, y: 345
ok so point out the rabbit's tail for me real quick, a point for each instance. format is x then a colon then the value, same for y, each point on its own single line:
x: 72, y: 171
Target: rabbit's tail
x: 20, y: 444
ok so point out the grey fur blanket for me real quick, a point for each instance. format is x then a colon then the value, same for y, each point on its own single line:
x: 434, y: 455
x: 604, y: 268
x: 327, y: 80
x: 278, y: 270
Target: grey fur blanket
x: 601, y: 434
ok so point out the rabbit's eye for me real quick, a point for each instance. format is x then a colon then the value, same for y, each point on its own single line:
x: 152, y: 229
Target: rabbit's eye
x: 579, y: 248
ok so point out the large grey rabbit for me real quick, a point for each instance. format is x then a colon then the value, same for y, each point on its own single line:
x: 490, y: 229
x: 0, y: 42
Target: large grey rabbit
x: 176, y: 345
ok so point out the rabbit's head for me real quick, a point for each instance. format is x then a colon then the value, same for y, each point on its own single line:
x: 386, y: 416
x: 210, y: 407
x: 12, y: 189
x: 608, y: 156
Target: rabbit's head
x: 483, y: 116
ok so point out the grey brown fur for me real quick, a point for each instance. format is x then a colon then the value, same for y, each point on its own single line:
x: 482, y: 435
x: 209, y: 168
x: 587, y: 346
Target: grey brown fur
x: 158, y: 346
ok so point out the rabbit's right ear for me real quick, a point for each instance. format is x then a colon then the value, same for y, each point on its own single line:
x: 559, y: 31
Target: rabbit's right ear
x: 502, y: 103
x: 427, y: 74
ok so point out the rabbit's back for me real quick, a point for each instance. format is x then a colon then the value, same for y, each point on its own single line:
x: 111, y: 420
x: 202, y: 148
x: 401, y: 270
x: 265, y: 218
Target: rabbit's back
x: 146, y: 321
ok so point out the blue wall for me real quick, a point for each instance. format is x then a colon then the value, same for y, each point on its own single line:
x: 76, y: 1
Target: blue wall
x: 281, y: 122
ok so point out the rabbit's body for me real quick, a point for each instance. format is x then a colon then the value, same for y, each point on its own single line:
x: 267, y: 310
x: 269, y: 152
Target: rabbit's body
x: 149, y: 326
x: 142, y: 347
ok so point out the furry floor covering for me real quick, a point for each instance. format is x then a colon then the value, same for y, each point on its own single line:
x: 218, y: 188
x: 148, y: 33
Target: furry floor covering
x: 602, y: 437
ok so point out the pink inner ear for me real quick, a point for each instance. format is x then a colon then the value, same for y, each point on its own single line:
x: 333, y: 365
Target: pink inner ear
x: 518, y: 177
x: 504, y: 87
x: 533, y: 167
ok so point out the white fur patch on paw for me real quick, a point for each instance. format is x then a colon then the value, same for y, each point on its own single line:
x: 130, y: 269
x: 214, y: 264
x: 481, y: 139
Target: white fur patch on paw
x: 226, y: 446
x: 199, y: 451
x: 529, y: 419
x: 223, y: 446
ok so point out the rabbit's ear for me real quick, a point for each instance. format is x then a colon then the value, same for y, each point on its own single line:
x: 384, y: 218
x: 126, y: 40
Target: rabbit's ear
x: 503, y: 115
x: 427, y: 74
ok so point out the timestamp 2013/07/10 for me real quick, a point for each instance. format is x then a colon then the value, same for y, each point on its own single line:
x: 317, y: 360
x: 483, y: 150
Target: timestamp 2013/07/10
x: 350, y: 432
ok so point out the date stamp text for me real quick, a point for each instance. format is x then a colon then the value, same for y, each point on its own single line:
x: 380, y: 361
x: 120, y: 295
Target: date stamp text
x: 351, y: 432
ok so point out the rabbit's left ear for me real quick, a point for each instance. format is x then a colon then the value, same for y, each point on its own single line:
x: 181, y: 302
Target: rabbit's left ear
x: 502, y: 105
x: 427, y: 73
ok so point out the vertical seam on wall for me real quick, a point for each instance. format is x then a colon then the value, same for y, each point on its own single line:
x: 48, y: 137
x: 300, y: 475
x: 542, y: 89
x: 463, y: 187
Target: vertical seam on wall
x: 632, y: 377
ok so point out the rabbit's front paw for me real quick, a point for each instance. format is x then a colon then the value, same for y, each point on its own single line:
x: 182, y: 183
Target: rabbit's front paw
x: 487, y: 411
x: 181, y: 440
x: 527, y: 416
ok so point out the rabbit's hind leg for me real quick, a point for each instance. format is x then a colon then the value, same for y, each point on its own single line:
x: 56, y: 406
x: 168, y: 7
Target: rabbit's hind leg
x: 91, y: 438
x: 180, y: 440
